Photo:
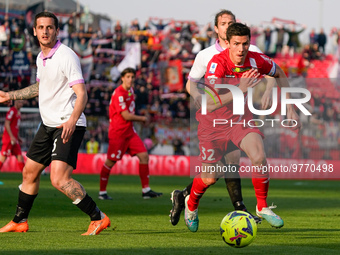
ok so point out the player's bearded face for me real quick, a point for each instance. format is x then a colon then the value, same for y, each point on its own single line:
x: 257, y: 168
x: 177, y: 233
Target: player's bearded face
x: 223, y: 23
x: 46, y: 32
x: 238, y: 49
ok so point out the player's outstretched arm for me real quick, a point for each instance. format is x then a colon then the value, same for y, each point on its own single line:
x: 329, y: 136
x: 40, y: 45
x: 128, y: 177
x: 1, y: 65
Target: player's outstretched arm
x: 132, y: 117
x: 9, y: 131
x: 26, y: 93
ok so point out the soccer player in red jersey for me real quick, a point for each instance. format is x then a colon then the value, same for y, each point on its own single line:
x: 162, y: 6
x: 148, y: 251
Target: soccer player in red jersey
x: 123, y: 138
x: 10, y: 139
x: 222, y: 20
x: 236, y: 61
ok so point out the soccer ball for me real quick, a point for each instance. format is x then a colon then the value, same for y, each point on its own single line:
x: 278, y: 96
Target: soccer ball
x: 238, y: 229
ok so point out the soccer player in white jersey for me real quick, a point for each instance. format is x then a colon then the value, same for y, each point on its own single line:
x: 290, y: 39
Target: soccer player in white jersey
x: 233, y: 182
x: 62, y: 99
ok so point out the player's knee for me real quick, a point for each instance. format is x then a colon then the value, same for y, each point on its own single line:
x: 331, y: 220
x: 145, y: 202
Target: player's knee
x: 258, y: 159
x: 143, y: 157
x: 209, y: 181
x: 109, y: 163
x: 29, y: 176
x: 59, y: 183
x: 56, y: 183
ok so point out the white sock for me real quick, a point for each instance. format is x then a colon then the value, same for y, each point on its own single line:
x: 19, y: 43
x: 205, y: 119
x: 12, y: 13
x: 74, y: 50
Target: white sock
x: 144, y: 190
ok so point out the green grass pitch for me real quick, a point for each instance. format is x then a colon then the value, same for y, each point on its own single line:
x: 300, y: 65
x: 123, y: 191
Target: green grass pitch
x: 310, y: 209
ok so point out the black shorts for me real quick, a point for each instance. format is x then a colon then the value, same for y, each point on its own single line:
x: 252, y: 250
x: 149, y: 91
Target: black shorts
x: 231, y: 147
x: 47, y: 146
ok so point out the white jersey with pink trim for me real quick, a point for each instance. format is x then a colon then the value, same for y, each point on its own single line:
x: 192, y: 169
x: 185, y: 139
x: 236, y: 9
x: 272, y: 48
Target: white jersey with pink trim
x: 203, y: 57
x: 56, y: 74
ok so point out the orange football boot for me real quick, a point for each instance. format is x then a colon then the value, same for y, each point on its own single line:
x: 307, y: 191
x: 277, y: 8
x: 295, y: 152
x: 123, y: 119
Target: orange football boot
x: 98, y: 226
x: 15, y: 227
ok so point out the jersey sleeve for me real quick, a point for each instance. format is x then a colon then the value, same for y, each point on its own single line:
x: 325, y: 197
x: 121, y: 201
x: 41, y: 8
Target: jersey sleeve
x: 265, y: 64
x: 119, y: 102
x: 198, y: 69
x: 10, y: 114
x: 72, y: 69
x: 215, y: 70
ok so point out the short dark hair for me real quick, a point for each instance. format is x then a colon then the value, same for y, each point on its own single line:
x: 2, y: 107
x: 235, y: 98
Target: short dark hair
x: 221, y: 13
x: 237, y: 29
x: 127, y: 70
x: 46, y: 15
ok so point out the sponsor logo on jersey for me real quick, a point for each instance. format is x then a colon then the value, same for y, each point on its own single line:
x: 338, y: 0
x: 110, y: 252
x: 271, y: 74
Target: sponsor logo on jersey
x: 230, y: 76
x: 212, y: 79
x: 212, y: 67
x: 241, y: 69
x: 123, y: 105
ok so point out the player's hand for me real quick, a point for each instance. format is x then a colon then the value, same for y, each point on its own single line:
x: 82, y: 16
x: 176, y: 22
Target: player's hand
x: 146, y: 118
x: 291, y: 114
x: 266, y: 99
x: 68, y: 129
x: 13, y: 141
x: 4, y: 97
x: 249, y: 79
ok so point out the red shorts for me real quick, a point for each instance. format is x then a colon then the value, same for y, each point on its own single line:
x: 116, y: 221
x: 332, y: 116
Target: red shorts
x: 211, y: 151
x: 8, y: 149
x: 119, y: 145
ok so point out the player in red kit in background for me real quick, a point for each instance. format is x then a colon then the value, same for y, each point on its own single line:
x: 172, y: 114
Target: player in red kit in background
x: 10, y: 139
x: 123, y: 138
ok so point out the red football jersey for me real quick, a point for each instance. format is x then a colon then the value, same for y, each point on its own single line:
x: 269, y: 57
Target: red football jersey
x: 221, y: 67
x: 14, y: 116
x: 121, y: 100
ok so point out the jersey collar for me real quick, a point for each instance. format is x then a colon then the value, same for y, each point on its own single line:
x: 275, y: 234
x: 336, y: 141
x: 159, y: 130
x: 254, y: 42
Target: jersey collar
x: 51, y: 53
x: 218, y: 46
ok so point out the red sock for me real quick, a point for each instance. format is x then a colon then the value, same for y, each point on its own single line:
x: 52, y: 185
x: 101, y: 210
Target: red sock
x: 261, y: 185
x: 104, y: 178
x: 144, y: 175
x: 197, y: 190
x: 1, y: 164
x: 21, y: 165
